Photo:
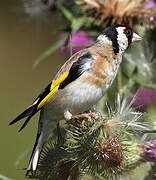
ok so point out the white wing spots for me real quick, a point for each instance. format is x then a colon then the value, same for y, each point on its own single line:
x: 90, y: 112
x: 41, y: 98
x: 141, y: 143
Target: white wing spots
x: 86, y: 66
x: 35, y: 160
x: 35, y: 102
x: 122, y: 40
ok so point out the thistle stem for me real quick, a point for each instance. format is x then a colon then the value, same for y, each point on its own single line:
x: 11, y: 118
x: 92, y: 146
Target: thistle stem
x: 119, y: 82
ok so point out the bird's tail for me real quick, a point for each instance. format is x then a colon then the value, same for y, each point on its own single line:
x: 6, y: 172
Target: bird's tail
x: 32, y: 166
x: 29, y: 112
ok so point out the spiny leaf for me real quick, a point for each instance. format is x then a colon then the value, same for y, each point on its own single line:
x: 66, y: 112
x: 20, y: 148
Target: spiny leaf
x: 150, y: 131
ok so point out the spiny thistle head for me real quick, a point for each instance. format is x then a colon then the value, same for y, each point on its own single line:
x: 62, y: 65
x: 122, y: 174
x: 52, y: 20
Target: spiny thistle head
x: 107, y: 146
x: 50, y: 163
x: 95, y: 152
x: 111, y: 152
x: 102, y: 148
x: 55, y: 162
x: 65, y: 168
x: 125, y: 119
x: 129, y: 12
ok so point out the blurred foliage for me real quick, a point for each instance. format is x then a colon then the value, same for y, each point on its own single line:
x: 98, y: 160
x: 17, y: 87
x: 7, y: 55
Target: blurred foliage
x: 2, y: 177
x: 50, y: 50
x: 152, y: 173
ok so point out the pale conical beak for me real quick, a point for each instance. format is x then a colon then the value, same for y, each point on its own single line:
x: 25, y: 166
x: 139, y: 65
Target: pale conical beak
x: 136, y: 37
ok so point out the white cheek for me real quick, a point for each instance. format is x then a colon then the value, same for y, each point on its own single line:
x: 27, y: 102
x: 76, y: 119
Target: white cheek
x: 122, y: 40
x: 123, y: 44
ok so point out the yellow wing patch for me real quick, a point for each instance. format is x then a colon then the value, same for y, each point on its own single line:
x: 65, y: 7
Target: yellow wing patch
x: 53, y: 89
x: 48, y: 97
x: 59, y: 80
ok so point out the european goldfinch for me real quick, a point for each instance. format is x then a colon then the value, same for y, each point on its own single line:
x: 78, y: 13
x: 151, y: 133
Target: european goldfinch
x: 80, y: 83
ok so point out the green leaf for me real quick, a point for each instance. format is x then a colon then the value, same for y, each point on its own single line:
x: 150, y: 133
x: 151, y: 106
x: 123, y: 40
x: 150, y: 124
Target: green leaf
x: 50, y: 50
x: 76, y: 23
x: 149, y: 131
x: 67, y: 13
x: 71, y: 52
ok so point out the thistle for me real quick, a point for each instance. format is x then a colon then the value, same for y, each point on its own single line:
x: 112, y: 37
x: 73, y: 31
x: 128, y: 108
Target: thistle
x: 99, y: 149
x: 149, y: 152
x: 108, y: 147
x: 130, y: 12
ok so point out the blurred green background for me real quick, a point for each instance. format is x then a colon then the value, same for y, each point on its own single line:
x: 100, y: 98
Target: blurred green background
x: 22, y: 39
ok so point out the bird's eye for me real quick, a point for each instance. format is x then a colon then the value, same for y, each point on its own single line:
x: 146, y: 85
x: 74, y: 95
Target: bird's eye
x: 128, y: 32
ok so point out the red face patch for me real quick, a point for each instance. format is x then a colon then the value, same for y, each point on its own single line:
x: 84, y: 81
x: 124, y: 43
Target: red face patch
x: 128, y: 31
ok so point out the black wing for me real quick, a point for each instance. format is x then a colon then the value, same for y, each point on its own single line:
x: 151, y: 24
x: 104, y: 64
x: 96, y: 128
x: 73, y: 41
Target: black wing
x: 77, y: 68
x: 32, y: 109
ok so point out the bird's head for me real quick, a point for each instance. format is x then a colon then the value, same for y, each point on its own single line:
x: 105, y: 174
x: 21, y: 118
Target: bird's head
x: 120, y: 36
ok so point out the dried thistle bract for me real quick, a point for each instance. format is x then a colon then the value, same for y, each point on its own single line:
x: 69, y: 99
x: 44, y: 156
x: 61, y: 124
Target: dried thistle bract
x: 129, y: 12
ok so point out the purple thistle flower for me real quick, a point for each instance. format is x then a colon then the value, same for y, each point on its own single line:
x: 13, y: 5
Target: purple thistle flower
x: 145, y: 97
x: 149, y: 151
x: 149, y: 4
x: 79, y: 38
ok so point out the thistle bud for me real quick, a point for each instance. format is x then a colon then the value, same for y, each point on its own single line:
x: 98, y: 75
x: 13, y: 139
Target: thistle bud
x: 149, y: 150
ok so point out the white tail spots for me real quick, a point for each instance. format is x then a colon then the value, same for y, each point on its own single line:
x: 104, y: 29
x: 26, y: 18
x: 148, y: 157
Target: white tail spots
x: 35, y: 102
x: 35, y: 160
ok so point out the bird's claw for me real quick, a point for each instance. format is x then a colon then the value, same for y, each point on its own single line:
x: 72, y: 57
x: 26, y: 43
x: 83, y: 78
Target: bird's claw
x: 86, y: 117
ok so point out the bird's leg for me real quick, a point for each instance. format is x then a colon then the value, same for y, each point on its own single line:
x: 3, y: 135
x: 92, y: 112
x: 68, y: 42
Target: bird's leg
x: 85, y: 116
x: 68, y: 117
